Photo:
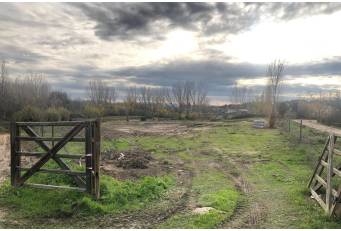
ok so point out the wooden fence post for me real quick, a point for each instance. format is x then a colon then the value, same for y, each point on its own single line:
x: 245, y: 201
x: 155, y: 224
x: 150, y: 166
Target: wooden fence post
x: 97, y: 154
x: 289, y: 125
x: 88, y: 158
x: 301, y: 130
x: 15, y: 158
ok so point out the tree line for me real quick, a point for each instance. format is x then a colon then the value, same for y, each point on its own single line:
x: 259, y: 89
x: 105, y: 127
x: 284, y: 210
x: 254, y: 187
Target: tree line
x: 32, y: 98
x: 185, y: 99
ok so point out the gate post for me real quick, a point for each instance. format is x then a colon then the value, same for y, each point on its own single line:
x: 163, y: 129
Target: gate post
x: 301, y: 125
x: 89, y: 158
x: 15, y: 158
x: 96, y: 156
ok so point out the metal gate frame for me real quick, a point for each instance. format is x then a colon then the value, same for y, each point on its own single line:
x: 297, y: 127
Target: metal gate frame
x: 87, y: 181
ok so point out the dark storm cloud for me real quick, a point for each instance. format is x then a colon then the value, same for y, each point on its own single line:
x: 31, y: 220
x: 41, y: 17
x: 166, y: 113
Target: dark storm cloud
x: 214, y: 72
x: 220, y: 76
x: 130, y: 20
x: 19, y: 55
x: 327, y: 67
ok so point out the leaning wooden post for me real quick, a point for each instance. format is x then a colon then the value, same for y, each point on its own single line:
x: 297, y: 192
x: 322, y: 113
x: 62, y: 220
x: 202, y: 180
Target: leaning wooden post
x: 329, y: 175
x: 301, y: 130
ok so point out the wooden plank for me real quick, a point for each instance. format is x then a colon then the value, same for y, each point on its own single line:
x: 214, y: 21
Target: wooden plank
x: 73, y: 132
x: 337, y: 172
x: 71, y: 156
x: 324, y: 163
x: 318, y: 199
x: 316, y: 171
x: 44, y: 186
x: 97, y: 152
x: 321, y: 180
x: 57, y: 123
x: 88, y: 158
x: 80, y: 182
x: 15, y: 159
x: 337, y: 152
x: 57, y: 171
x: 301, y: 125
x: 329, y: 175
x: 29, y: 138
x: 60, y: 155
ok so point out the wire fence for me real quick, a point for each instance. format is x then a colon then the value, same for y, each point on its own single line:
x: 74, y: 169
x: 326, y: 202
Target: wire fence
x: 308, y: 139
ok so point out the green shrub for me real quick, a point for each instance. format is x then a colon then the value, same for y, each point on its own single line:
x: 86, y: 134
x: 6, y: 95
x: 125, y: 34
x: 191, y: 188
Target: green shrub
x: 30, y: 113
x: 64, y: 113
x: 116, y: 196
x: 52, y: 114
x: 93, y: 111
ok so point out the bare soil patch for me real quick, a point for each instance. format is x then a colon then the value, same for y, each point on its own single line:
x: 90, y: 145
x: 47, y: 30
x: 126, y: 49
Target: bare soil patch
x: 132, y: 164
x: 4, y: 156
x: 320, y: 127
x: 136, y: 128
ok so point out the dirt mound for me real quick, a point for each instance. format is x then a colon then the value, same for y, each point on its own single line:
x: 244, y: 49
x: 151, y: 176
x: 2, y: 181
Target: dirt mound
x: 133, y: 159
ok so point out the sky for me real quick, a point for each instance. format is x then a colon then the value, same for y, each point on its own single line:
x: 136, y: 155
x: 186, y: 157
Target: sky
x: 158, y: 44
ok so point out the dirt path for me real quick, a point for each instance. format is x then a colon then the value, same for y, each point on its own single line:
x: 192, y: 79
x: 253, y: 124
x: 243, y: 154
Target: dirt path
x: 323, y: 128
x: 4, y: 156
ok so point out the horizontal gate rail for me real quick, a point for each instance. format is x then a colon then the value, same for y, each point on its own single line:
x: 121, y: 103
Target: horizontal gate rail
x: 28, y: 138
x: 87, y: 131
x: 47, y: 186
x: 68, y: 172
x: 60, y: 155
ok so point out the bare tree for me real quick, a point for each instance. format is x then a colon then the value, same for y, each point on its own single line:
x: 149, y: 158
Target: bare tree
x: 274, y: 73
x: 159, y: 100
x: 100, y: 93
x: 187, y: 96
x: 130, y: 101
x: 3, y: 89
x: 145, y: 99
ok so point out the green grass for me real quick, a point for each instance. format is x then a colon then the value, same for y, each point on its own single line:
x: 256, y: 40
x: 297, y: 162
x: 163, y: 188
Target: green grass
x: 116, y: 196
x: 275, y: 165
x: 212, y: 189
x: 193, y: 221
x: 117, y: 144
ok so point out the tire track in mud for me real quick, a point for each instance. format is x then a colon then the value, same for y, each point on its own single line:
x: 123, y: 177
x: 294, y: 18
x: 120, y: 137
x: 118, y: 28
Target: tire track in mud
x: 249, y: 213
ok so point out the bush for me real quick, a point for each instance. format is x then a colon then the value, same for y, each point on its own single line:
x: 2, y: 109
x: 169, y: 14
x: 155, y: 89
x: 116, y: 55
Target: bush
x: 52, y: 114
x: 64, y: 113
x: 29, y: 113
x: 93, y: 111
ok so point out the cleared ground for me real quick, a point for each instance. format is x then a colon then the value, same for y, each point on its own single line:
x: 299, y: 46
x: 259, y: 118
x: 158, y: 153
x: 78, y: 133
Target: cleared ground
x: 4, y: 156
x: 205, y: 175
x: 320, y: 127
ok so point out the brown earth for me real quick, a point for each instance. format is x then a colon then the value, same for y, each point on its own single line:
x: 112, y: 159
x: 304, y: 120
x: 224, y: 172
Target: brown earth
x: 132, y: 164
x: 4, y: 156
x: 136, y: 128
x: 323, y: 128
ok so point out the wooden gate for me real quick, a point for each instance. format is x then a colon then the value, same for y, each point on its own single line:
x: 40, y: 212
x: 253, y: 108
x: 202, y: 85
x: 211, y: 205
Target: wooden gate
x: 43, y: 134
x: 323, y: 185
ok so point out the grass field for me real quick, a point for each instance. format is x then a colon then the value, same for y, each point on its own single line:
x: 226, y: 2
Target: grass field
x: 244, y: 177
